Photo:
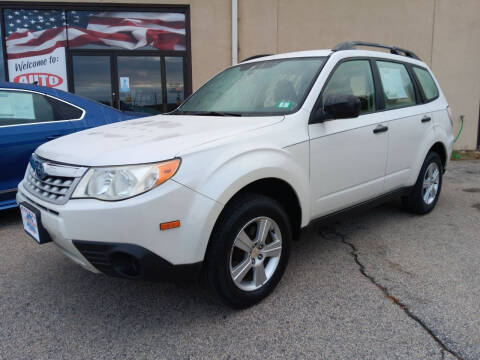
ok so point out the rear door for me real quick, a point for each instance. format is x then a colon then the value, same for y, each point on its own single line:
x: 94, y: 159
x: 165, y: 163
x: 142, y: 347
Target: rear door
x: 348, y: 156
x: 409, y: 120
x: 27, y: 120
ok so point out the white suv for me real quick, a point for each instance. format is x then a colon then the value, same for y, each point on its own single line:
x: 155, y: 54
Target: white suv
x: 222, y: 185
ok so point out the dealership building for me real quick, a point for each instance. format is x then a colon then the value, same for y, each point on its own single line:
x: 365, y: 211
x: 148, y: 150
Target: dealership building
x: 148, y: 57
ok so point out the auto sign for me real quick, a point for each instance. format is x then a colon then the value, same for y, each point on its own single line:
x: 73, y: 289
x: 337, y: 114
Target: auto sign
x: 42, y: 79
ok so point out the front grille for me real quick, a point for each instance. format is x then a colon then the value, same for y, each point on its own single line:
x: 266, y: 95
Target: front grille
x: 54, y: 183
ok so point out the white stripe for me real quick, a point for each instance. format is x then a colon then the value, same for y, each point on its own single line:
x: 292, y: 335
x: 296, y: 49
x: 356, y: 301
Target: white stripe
x: 139, y: 34
x: 143, y: 15
x: 179, y: 47
x: 31, y: 35
x: 18, y: 47
x: 107, y: 29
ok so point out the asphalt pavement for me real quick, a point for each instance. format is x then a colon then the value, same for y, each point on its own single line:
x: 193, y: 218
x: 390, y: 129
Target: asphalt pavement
x: 383, y: 285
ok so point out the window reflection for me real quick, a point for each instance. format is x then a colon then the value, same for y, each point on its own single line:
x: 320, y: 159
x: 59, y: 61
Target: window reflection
x: 175, y: 85
x: 91, y: 78
x: 2, y: 65
x: 140, y: 84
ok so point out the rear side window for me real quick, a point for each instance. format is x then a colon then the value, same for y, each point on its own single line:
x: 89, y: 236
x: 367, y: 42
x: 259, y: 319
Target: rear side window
x: 24, y: 107
x: 397, y: 85
x: 64, y: 111
x: 430, y: 90
x: 353, y: 78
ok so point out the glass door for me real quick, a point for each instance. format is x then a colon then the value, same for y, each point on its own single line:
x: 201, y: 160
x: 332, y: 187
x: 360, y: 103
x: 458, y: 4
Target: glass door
x: 143, y: 83
x: 92, y: 77
x: 140, y: 84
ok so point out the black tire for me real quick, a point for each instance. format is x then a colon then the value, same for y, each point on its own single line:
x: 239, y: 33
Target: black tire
x: 234, y: 217
x: 415, y: 202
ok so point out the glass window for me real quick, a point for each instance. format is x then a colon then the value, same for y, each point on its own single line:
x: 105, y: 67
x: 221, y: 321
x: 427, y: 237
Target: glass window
x: 426, y: 82
x: 140, y: 84
x: 263, y: 87
x: 64, y: 111
x: 397, y: 85
x: 126, y: 30
x: 23, y: 107
x: 92, y: 79
x: 175, y: 86
x: 2, y: 65
x: 353, y: 78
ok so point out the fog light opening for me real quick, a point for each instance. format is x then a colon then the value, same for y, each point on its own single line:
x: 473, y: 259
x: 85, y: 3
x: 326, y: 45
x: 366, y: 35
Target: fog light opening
x: 125, y: 264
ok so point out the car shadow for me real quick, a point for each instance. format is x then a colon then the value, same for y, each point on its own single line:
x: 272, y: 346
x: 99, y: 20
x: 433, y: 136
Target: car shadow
x: 105, y: 297
x: 10, y: 216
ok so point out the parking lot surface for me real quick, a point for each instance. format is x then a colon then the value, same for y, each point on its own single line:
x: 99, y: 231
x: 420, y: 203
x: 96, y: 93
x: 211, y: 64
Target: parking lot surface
x: 383, y: 285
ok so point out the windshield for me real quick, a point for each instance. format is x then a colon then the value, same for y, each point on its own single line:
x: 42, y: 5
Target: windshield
x: 271, y: 87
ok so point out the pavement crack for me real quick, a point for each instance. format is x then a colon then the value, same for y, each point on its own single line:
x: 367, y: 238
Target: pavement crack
x: 386, y: 293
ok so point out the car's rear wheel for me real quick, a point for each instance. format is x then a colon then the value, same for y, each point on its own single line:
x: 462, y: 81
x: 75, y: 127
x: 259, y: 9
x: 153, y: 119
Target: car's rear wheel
x: 248, y: 250
x: 426, y: 191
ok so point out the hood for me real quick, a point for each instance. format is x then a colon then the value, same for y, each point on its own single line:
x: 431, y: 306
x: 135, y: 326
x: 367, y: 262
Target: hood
x: 146, y: 140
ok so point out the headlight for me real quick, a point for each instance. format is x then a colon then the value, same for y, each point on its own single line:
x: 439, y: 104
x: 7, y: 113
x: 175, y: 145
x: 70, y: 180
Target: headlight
x: 121, y: 182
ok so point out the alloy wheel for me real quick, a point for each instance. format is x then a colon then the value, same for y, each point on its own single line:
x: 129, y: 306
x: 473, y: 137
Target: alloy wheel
x: 431, y: 182
x: 255, y: 253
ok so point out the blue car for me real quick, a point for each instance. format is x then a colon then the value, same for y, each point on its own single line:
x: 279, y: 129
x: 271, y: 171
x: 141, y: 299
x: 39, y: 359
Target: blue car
x: 31, y: 115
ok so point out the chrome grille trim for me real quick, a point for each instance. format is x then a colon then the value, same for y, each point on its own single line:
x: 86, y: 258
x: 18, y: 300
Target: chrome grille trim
x: 50, y: 181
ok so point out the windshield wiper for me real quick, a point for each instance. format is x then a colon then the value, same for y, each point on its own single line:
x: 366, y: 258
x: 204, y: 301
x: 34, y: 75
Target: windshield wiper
x: 208, y: 113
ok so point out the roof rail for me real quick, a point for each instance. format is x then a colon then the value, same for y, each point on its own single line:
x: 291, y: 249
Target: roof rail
x: 255, y: 57
x: 352, y: 45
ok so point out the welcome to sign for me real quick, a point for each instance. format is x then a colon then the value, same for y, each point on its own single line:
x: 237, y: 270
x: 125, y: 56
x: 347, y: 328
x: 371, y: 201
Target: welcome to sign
x: 44, y: 70
x: 35, y: 45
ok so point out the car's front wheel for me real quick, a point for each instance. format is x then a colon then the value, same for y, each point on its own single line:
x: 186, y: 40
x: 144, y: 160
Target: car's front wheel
x: 248, y: 250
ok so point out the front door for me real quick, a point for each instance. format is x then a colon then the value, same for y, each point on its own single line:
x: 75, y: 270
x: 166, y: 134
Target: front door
x: 348, y: 156
x: 143, y: 83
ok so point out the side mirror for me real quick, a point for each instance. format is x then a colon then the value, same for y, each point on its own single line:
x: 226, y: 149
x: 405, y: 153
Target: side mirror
x: 337, y: 106
x: 340, y: 106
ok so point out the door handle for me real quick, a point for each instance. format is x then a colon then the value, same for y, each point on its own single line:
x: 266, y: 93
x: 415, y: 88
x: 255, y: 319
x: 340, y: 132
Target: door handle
x: 380, y: 129
x: 426, y: 119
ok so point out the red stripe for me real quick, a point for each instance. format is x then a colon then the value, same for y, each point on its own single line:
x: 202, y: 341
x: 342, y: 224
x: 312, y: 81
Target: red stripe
x: 58, y: 44
x: 44, y: 37
x: 127, y: 22
x: 159, y: 39
x: 17, y: 35
x: 164, y: 40
x: 95, y: 37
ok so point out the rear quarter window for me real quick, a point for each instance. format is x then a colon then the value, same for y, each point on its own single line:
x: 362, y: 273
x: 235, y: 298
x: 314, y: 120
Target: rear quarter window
x: 397, y: 86
x: 427, y: 84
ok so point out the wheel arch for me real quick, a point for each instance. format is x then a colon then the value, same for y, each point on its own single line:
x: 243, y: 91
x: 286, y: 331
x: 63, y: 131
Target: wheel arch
x: 441, y: 150
x: 279, y: 190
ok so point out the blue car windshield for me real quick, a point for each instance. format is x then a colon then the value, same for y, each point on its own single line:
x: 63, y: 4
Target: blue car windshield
x: 270, y: 87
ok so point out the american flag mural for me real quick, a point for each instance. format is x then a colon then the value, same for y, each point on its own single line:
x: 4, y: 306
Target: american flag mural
x: 132, y: 30
x: 39, y: 32
x: 33, y: 32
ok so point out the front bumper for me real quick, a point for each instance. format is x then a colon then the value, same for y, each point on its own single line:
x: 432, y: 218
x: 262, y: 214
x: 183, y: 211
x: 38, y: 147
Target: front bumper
x: 132, y: 227
x: 133, y: 262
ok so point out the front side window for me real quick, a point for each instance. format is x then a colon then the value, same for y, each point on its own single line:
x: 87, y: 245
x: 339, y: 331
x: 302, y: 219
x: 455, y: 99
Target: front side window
x: 430, y: 90
x: 353, y: 78
x: 23, y: 107
x: 397, y: 86
x: 271, y: 87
